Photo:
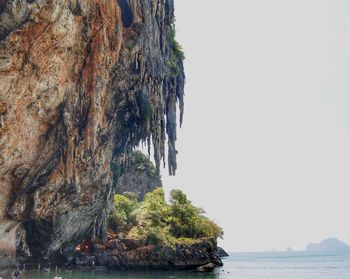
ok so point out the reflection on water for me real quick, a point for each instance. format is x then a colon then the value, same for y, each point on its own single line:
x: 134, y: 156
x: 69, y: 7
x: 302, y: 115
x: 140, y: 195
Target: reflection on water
x: 296, y: 265
x: 117, y: 275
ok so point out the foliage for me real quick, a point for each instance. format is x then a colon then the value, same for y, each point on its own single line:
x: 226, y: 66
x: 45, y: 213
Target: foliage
x: 122, y: 217
x: 156, y: 221
x: 188, y: 220
x: 177, y: 54
x: 138, y: 161
x: 175, y: 46
x: 173, y: 66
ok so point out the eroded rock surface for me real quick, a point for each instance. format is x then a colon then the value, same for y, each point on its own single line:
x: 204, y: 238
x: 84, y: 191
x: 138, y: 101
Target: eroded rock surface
x: 82, y: 82
x: 131, y: 254
x: 139, y: 176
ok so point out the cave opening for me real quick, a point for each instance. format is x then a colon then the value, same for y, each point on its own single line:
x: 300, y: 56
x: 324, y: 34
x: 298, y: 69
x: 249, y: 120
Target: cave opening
x: 127, y: 15
x: 37, y: 236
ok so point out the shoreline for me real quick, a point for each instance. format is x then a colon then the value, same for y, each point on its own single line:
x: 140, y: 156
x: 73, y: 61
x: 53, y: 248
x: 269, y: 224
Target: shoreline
x: 200, y: 257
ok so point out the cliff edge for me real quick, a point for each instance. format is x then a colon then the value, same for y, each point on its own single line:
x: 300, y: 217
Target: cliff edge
x: 82, y: 82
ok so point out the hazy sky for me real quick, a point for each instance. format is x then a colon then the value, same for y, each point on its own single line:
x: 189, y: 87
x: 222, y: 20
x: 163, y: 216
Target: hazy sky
x: 265, y: 147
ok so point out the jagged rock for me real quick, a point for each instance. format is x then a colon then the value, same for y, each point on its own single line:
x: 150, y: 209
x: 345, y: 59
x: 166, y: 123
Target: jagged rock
x: 82, y: 83
x: 206, y: 268
x: 222, y: 253
x: 138, y: 255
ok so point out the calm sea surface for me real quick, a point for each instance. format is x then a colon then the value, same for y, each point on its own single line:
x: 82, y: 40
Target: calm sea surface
x: 240, y: 266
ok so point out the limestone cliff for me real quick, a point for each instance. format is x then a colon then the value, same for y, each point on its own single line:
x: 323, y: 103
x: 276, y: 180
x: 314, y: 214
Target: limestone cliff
x: 82, y: 82
x: 139, y: 176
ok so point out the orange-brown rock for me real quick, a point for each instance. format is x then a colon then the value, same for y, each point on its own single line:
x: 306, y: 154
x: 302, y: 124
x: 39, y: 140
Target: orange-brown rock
x: 82, y: 82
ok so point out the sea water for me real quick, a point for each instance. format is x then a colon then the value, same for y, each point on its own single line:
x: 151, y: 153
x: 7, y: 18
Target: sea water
x: 275, y: 265
x: 291, y: 265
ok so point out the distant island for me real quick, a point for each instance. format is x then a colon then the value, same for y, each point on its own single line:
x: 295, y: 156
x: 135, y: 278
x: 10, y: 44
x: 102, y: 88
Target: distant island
x: 328, y: 245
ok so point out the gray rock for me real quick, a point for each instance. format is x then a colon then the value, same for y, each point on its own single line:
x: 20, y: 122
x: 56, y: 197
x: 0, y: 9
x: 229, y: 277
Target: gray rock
x: 206, y: 268
x: 139, y: 177
x: 222, y: 253
x: 139, y: 255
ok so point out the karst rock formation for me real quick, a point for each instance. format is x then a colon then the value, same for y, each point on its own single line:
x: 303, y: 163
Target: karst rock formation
x: 82, y: 83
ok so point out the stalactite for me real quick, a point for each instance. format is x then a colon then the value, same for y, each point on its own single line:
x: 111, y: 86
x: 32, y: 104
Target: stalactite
x: 160, y: 70
x: 83, y: 83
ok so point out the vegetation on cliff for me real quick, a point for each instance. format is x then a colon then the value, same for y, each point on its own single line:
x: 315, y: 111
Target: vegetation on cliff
x: 177, y: 55
x: 158, y: 222
x: 138, y: 161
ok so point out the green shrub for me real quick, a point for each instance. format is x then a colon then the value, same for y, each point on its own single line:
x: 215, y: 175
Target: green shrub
x: 155, y: 221
x: 177, y: 54
x: 188, y: 220
x: 176, y: 48
x: 122, y: 217
x: 140, y: 162
x: 173, y: 66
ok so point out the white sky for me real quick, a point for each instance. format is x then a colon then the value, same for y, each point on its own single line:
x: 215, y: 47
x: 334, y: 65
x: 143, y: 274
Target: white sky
x: 265, y: 147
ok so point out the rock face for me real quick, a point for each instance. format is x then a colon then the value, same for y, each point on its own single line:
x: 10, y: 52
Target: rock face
x: 206, y: 268
x: 131, y: 254
x: 82, y: 82
x: 139, y: 176
x: 222, y: 253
